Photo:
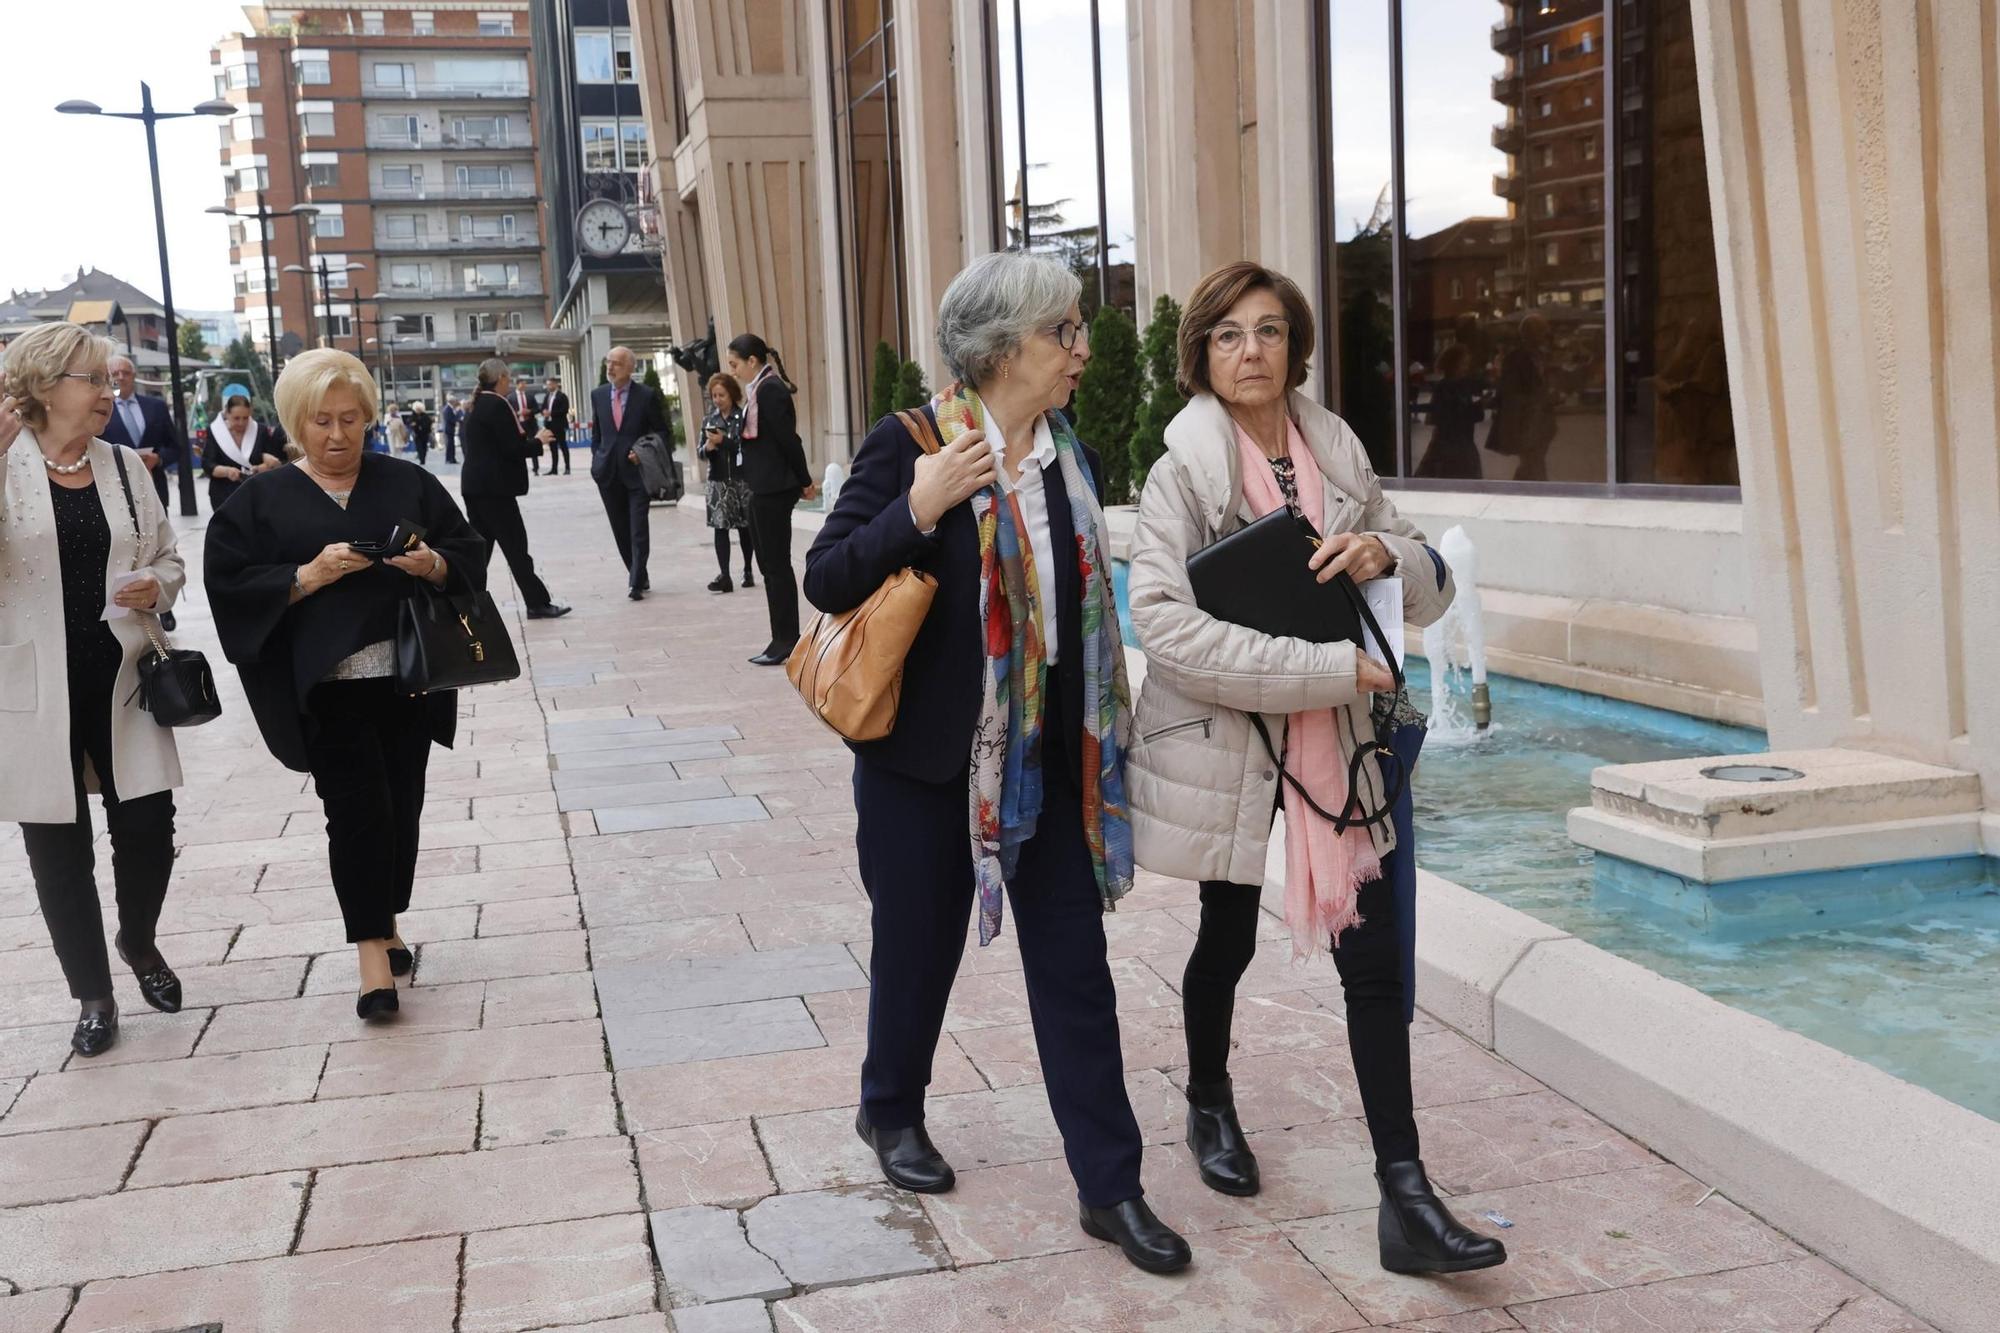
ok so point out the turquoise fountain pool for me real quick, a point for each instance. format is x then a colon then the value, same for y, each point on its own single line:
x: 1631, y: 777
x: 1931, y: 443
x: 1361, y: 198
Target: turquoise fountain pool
x: 1912, y: 992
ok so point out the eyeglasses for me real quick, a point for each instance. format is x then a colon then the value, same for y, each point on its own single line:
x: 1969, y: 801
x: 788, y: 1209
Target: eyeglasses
x: 96, y: 379
x: 1270, y: 333
x: 1067, y: 332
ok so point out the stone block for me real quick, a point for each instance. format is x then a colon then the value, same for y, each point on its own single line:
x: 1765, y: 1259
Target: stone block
x: 65, y: 1163
x: 561, y: 1272
x: 166, y: 1088
x: 834, y: 1238
x: 695, y: 983
x: 547, y: 1110
x: 150, y: 1231
x: 307, y: 1134
x: 1469, y: 943
x: 680, y: 1036
x: 638, y: 818
x: 705, y: 1256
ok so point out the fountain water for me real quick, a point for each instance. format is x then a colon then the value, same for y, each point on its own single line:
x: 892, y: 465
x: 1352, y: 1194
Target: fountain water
x: 829, y: 489
x: 1456, y: 647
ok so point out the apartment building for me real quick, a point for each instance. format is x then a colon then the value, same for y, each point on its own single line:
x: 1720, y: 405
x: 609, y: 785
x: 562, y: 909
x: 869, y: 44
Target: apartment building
x: 408, y: 127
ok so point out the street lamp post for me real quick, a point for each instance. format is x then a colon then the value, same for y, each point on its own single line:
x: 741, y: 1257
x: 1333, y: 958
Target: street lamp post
x: 147, y: 116
x: 325, y: 290
x: 264, y: 216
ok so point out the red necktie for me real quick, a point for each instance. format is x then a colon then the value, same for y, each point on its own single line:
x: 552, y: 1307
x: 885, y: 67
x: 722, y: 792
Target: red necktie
x: 617, y: 409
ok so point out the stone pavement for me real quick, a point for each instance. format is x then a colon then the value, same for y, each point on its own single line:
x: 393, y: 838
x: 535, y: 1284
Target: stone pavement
x: 621, y: 1089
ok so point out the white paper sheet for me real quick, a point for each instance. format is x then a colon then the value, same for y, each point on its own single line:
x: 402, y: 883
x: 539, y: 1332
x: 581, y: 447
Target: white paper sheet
x: 1385, y: 599
x: 113, y: 611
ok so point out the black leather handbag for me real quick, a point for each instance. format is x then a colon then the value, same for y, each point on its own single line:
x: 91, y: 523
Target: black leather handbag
x: 447, y: 640
x: 176, y: 685
x: 1258, y: 577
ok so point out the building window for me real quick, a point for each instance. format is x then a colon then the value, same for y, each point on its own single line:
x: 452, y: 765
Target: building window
x: 397, y: 129
x: 323, y: 175
x: 593, y: 56
x: 1552, y: 254
x: 329, y: 224
x: 399, y: 179
x: 249, y: 127
x: 237, y: 235
x: 635, y: 156
x: 487, y: 181
x: 1549, y: 204
x: 1589, y: 43
x: 1545, y: 55
x: 492, y: 273
x: 1458, y: 289
x: 342, y: 325
x: 315, y: 71
x: 490, y: 228
x: 600, y: 145
x: 1548, y: 155
x: 316, y: 123
x: 1595, y: 250
x: 480, y: 131
x: 401, y: 226
x: 406, y: 277
x: 243, y: 76
x: 1589, y: 147
x: 423, y: 23
x: 621, y: 55
x: 393, y: 76
x: 1545, y: 108
x: 371, y: 23
x: 496, y: 25
x: 486, y: 77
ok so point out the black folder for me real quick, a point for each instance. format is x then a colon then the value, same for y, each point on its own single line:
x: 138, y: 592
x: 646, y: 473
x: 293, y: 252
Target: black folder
x: 1257, y: 577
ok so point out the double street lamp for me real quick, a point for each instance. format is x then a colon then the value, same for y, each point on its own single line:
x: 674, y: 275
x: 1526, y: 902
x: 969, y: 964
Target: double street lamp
x: 325, y: 289
x: 147, y: 116
x: 263, y: 215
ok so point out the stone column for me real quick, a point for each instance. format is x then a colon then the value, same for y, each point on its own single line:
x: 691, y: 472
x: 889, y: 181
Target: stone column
x: 1853, y: 158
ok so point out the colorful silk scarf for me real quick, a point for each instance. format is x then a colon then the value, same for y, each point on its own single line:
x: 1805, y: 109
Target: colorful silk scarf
x: 1005, y: 800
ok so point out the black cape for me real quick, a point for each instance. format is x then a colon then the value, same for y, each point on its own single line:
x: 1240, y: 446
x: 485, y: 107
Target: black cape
x: 280, y: 520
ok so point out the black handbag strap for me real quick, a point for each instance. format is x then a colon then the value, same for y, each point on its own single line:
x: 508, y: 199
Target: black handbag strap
x: 131, y: 507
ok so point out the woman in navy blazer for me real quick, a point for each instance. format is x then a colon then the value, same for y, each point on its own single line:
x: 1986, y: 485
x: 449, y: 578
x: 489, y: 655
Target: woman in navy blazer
x: 1010, y: 329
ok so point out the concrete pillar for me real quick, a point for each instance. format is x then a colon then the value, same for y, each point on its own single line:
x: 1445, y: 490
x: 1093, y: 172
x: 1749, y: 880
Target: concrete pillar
x: 1854, y: 159
x: 931, y: 68
x: 1287, y: 236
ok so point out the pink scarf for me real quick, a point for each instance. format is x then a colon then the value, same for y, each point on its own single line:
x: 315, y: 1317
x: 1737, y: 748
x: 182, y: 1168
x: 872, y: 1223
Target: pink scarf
x: 750, y: 403
x: 1324, y: 870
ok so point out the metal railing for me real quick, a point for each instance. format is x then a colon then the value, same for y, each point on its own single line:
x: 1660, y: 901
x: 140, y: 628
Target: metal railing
x: 427, y: 290
x: 467, y: 244
x: 452, y: 192
x: 517, y: 92
x: 521, y: 140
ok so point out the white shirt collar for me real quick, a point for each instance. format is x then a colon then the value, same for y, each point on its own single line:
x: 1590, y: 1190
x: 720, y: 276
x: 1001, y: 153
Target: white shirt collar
x: 1039, y: 457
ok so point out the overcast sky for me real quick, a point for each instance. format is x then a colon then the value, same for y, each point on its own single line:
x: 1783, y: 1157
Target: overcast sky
x: 81, y: 193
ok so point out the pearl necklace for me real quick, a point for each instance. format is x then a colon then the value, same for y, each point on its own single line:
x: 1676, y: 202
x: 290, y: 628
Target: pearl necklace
x: 66, y: 469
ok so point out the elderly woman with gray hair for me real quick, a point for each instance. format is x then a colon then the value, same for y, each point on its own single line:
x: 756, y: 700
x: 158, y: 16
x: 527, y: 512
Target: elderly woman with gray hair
x: 1005, y: 769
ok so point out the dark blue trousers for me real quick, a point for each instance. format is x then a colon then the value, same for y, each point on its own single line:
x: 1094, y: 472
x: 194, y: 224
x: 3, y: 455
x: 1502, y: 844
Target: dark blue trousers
x: 916, y: 861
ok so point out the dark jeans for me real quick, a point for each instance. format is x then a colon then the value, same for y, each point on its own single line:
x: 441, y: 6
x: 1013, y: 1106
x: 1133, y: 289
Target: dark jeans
x: 630, y: 510
x: 498, y: 518
x: 771, y: 529
x: 722, y: 549
x: 916, y: 862
x: 1371, y: 973
x: 368, y: 751
x: 64, y: 865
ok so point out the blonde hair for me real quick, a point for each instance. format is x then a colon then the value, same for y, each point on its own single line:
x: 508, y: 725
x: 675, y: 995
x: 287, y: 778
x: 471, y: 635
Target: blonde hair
x: 39, y: 358
x: 310, y: 376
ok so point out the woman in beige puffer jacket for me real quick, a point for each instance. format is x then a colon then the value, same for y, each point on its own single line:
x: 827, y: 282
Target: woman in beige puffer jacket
x: 1201, y: 785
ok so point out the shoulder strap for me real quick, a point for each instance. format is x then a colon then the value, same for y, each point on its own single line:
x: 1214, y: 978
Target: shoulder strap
x: 922, y: 429
x: 131, y: 507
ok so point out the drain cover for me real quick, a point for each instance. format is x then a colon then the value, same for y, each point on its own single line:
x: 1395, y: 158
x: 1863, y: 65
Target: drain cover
x: 1751, y: 773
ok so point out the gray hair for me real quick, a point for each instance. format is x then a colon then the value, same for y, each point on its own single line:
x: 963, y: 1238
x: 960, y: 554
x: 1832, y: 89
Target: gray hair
x: 492, y: 370
x: 994, y: 303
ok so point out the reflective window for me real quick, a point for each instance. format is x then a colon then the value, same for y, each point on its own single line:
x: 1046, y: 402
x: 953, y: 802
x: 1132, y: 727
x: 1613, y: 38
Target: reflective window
x: 593, y: 56
x: 871, y: 193
x: 315, y: 71
x: 1362, y: 332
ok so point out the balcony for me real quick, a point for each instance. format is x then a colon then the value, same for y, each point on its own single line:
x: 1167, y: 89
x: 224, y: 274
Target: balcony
x: 428, y: 291
x: 1507, y: 36
x: 416, y: 345
x: 521, y: 142
x: 455, y: 193
x: 483, y: 92
x: 1508, y: 186
x: 1509, y: 137
x: 458, y: 244
x: 1507, y: 88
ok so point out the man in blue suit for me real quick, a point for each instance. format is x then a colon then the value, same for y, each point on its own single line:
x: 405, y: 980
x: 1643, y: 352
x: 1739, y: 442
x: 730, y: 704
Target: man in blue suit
x: 143, y: 422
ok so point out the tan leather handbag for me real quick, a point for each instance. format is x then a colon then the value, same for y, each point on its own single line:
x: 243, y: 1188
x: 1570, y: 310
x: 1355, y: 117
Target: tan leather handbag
x: 849, y: 668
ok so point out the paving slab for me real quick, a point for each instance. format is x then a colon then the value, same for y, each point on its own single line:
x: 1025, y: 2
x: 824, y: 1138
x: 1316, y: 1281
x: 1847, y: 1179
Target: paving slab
x: 562, y: 1272
x: 722, y: 1163
x: 461, y: 1059
x: 832, y: 1238
x: 704, y: 1256
x: 545, y: 1110
x: 682, y: 1036
x: 65, y: 1164
x: 165, y: 1088
x: 639, y: 817
x: 1795, y: 1296
x: 149, y: 1231
x: 37, y: 1311
x: 695, y: 983
x: 307, y: 1134
x: 726, y: 1317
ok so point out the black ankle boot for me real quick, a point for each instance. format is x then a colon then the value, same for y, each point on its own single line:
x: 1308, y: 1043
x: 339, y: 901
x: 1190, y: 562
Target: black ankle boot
x: 1417, y: 1232
x: 1216, y: 1140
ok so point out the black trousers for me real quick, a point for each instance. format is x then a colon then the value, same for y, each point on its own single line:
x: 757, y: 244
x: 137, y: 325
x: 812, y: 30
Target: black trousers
x: 422, y: 449
x: 722, y: 549
x: 1370, y: 961
x: 771, y: 529
x: 368, y: 754
x: 65, y: 867
x: 451, y: 448
x: 630, y: 510
x: 916, y: 862
x: 560, y: 449
x: 498, y: 518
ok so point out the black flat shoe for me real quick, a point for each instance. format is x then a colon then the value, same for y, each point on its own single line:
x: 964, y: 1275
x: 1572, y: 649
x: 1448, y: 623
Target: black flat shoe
x: 909, y: 1160
x: 401, y: 961
x: 769, y: 658
x: 1216, y: 1139
x: 377, y: 1004
x: 157, y: 984
x: 721, y: 583
x: 748, y: 582
x: 637, y: 594
x: 95, y: 1033
x: 1417, y: 1232
x: 1147, y: 1241
x: 550, y: 612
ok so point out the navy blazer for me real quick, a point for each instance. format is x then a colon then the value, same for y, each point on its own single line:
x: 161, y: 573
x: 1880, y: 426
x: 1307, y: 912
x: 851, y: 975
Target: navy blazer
x: 870, y: 535
x: 645, y: 414
x: 158, y: 434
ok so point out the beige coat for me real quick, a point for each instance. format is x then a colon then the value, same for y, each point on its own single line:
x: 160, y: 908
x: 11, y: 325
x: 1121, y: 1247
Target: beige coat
x: 35, y: 783
x: 1200, y: 783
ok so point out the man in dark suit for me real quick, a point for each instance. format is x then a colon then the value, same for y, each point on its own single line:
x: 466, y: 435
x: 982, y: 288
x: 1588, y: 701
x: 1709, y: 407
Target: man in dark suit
x: 141, y: 421
x: 495, y: 477
x: 526, y: 411
x: 621, y: 412
x: 555, y: 415
x: 451, y: 416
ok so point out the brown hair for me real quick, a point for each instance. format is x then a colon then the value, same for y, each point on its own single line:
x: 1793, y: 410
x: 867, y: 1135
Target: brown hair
x: 1211, y: 301
x: 729, y: 383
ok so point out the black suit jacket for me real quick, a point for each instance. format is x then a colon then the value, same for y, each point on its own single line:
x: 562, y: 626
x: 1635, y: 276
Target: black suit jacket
x: 555, y: 415
x: 496, y: 453
x: 774, y: 461
x: 270, y: 444
x: 645, y: 414
x: 158, y: 434
x: 870, y: 535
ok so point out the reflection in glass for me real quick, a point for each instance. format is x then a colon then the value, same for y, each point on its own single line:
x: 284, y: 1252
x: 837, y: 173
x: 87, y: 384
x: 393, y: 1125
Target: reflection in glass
x: 1363, y: 325
x: 865, y: 132
x: 1677, y: 427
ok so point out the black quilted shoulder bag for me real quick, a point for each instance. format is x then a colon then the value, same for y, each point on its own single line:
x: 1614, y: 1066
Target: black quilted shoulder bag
x: 176, y: 685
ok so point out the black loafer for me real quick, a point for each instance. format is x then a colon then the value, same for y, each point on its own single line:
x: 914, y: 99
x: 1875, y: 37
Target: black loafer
x: 909, y: 1160
x: 1147, y: 1241
x: 768, y: 658
x: 637, y: 594
x: 401, y: 961
x: 549, y: 612
x: 377, y: 1004
x: 1418, y: 1234
x: 721, y: 583
x: 95, y: 1034
x: 157, y: 984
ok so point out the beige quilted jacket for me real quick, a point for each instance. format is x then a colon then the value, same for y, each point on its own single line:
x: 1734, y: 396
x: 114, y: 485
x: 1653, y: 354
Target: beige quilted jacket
x: 1200, y: 783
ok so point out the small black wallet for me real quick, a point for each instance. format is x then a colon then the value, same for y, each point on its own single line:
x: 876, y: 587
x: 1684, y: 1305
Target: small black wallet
x: 1257, y: 577
x: 401, y: 538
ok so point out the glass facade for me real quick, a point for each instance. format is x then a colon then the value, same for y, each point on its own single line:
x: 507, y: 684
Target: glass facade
x: 869, y: 175
x: 1523, y: 283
